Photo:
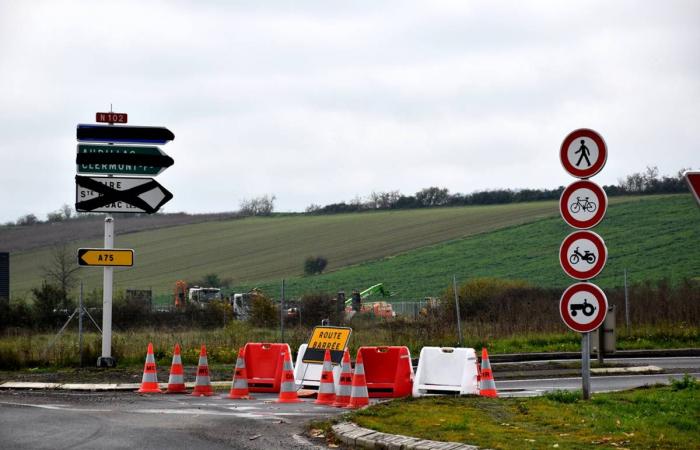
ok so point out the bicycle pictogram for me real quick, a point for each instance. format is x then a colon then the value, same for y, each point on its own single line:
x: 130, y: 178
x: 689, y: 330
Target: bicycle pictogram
x: 577, y: 256
x: 582, y: 205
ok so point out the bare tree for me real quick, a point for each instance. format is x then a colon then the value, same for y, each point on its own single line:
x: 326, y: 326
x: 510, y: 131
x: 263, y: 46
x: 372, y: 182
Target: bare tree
x: 61, y: 269
x: 259, y: 206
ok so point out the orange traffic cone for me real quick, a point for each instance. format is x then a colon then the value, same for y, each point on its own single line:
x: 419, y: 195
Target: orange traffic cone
x: 239, y: 385
x: 326, y: 390
x: 358, y: 396
x: 149, y: 382
x: 202, y: 384
x: 288, y: 389
x: 176, y: 381
x: 487, y: 386
x: 342, y: 396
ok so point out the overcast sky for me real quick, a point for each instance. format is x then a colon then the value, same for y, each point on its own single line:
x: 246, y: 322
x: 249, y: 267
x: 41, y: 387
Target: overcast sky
x: 320, y: 102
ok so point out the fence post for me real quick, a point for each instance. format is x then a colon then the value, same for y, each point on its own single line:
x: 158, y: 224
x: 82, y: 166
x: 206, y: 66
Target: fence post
x: 627, y: 306
x: 282, y: 312
x: 459, y: 324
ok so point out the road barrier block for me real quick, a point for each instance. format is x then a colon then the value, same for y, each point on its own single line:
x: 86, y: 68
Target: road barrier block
x: 264, y: 364
x: 388, y: 371
x: 308, y: 375
x: 446, y: 370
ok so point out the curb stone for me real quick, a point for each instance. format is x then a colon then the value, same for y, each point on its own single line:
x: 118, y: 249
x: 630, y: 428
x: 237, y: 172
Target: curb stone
x: 355, y: 436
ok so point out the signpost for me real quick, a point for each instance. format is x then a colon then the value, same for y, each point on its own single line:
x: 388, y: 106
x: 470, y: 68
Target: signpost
x: 112, y: 194
x: 583, y: 254
x: 119, y: 194
x: 121, y: 159
x: 334, y: 339
x: 583, y: 204
x: 105, y: 257
x: 693, y: 180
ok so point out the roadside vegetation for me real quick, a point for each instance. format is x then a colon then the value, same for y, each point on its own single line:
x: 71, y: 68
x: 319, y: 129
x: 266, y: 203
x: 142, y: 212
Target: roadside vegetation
x: 645, y: 418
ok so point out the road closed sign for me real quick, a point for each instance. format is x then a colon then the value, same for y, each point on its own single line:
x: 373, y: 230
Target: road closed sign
x: 583, y: 307
x: 334, y: 339
x: 583, y: 255
x: 583, y: 204
x: 583, y: 153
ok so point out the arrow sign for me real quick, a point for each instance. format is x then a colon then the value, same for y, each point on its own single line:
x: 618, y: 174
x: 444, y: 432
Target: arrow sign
x: 693, y: 180
x: 105, y: 257
x: 124, y: 134
x: 119, y: 194
x: 121, y: 159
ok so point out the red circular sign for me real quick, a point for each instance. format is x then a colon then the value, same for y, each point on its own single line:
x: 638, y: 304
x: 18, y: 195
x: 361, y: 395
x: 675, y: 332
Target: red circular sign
x: 583, y: 153
x: 583, y: 307
x: 583, y: 204
x: 583, y: 255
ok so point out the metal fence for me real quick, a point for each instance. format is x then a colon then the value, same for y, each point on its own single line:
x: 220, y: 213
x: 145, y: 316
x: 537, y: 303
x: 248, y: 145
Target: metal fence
x: 412, y: 309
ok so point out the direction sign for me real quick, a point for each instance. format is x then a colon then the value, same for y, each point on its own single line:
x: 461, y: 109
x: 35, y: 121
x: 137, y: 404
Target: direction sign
x: 117, y: 257
x: 124, y: 134
x: 111, y: 117
x: 119, y: 194
x: 334, y: 339
x: 583, y: 153
x: 121, y: 159
x: 583, y: 204
x: 583, y: 255
x: 583, y: 307
x: 693, y: 180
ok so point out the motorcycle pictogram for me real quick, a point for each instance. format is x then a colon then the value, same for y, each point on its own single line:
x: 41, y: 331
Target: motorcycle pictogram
x: 587, y: 256
x: 586, y: 308
x: 585, y: 205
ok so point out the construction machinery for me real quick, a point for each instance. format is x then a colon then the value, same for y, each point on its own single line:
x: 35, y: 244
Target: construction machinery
x: 378, y: 308
x: 195, y: 295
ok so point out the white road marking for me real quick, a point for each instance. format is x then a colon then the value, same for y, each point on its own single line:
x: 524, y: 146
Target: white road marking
x: 55, y: 407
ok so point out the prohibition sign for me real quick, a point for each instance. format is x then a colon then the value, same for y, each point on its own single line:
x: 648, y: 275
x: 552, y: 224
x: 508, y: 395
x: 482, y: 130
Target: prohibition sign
x: 583, y: 153
x: 583, y: 204
x: 583, y: 307
x: 583, y: 255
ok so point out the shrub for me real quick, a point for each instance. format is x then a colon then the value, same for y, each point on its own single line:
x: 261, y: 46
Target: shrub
x: 263, y: 312
x: 315, y: 265
x: 318, y: 306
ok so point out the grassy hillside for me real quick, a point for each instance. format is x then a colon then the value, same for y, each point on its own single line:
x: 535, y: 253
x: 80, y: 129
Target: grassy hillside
x: 652, y: 237
x: 258, y: 249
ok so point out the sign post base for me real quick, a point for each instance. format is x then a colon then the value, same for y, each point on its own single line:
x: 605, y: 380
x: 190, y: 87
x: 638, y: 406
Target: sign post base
x: 106, y: 361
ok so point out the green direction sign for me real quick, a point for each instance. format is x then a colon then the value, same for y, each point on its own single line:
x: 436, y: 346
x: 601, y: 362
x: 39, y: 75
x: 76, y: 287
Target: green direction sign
x: 121, y: 159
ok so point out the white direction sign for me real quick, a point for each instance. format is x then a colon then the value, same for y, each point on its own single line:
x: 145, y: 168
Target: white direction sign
x: 583, y: 153
x: 583, y: 255
x: 119, y: 194
x: 583, y: 204
x: 583, y: 307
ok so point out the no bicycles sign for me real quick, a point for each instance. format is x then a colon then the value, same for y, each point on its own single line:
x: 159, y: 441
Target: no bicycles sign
x: 583, y: 204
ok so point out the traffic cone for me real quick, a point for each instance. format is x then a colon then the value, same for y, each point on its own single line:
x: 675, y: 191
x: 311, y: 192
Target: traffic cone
x: 288, y: 389
x: 149, y: 382
x: 176, y: 381
x: 358, y: 396
x: 239, y: 385
x: 326, y: 390
x: 202, y: 384
x: 342, y: 396
x: 487, y: 386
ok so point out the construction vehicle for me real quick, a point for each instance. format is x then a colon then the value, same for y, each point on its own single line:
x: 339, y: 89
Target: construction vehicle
x: 195, y: 295
x: 378, y: 308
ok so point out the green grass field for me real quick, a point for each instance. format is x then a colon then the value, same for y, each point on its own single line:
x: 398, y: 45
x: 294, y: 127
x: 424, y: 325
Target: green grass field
x: 414, y: 253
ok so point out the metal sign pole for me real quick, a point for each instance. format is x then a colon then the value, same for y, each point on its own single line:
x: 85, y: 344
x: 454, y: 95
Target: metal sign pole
x: 627, y: 306
x: 586, y: 365
x: 282, y: 312
x: 459, y: 324
x: 80, y: 324
x: 106, y: 359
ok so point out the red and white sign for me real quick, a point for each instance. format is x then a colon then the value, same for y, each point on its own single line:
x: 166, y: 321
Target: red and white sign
x: 583, y: 153
x: 583, y: 255
x: 583, y: 307
x: 693, y: 179
x: 111, y: 117
x: 583, y: 204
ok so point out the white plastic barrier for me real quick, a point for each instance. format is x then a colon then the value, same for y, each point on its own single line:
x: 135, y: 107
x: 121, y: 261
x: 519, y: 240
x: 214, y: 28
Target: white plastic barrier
x: 446, y: 370
x: 308, y: 375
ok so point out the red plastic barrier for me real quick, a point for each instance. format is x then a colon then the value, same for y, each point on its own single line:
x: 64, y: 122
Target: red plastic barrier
x: 264, y: 364
x: 388, y: 371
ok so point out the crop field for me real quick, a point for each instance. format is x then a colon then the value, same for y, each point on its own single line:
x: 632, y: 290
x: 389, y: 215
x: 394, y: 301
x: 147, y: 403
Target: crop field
x: 255, y: 250
x: 651, y: 237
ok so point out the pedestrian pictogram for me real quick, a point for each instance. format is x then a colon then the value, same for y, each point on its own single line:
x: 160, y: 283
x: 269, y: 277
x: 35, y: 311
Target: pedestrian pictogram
x: 583, y: 153
x: 119, y: 194
x: 693, y: 180
x: 583, y: 307
x: 583, y: 204
x: 583, y: 255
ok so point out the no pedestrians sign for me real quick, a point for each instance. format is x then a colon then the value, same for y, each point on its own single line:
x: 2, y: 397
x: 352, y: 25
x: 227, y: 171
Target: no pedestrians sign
x: 583, y: 153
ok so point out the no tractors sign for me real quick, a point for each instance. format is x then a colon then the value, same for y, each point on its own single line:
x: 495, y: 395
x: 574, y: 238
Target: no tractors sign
x: 582, y: 255
x: 583, y: 204
x: 583, y: 307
